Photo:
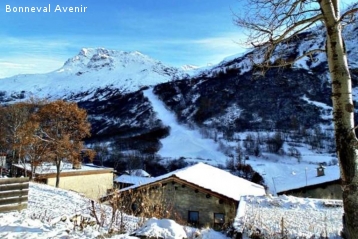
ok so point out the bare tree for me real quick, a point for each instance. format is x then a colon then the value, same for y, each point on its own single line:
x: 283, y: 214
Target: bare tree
x: 35, y: 149
x: 274, y: 25
x: 102, y: 152
x: 13, y: 120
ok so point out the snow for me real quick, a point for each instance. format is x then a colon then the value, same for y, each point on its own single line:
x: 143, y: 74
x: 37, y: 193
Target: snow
x: 50, y: 210
x: 48, y: 168
x: 161, y: 228
x: 285, y: 173
x: 281, y: 173
x: 316, y: 40
x: 182, y: 141
x: 326, y: 110
x: 229, y: 116
x: 92, y: 69
x: 318, y: 104
x: 49, y: 206
x: 98, y: 68
x: 301, y: 217
x: 137, y: 180
x: 137, y: 172
x: 213, y: 179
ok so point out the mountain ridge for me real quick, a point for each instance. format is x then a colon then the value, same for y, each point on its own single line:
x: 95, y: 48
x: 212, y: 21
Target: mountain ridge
x: 225, y: 102
x: 90, y: 69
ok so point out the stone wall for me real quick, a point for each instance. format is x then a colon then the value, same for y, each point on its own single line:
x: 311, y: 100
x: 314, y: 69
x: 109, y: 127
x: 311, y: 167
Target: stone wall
x: 330, y: 190
x: 176, y: 199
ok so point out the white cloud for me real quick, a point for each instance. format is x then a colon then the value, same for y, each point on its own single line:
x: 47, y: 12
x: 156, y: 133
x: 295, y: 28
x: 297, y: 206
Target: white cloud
x: 201, y: 52
x: 31, y: 55
x: 28, y: 65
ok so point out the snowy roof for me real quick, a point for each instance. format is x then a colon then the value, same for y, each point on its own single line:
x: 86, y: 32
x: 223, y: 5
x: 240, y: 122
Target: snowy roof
x: 135, y: 180
x: 303, y: 178
x: 48, y: 168
x: 137, y: 172
x: 213, y: 179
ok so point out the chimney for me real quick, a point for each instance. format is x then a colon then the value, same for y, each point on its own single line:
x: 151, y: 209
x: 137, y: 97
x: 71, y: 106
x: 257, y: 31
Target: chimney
x: 320, y: 170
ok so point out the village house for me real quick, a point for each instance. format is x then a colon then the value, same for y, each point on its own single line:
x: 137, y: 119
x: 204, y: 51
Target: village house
x: 137, y: 172
x: 198, y: 195
x: 88, y: 179
x: 323, y: 182
x: 131, y: 177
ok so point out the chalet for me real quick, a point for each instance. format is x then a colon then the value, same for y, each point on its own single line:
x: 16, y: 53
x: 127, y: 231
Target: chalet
x: 126, y: 180
x: 198, y: 195
x: 88, y: 179
x: 321, y: 182
x: 131, y: 177
x: 137, y: 172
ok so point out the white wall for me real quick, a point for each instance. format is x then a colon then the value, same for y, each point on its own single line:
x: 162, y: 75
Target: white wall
x: 92, y: 185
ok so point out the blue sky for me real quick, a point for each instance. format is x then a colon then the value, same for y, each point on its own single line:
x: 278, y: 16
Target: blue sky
x: 177, y: 32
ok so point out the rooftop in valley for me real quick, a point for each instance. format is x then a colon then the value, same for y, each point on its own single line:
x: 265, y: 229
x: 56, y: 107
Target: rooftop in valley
x: 213, y: 179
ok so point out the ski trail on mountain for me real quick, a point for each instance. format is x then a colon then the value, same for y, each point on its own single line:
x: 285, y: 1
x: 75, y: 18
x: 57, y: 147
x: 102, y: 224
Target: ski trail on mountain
x: 182, y: 141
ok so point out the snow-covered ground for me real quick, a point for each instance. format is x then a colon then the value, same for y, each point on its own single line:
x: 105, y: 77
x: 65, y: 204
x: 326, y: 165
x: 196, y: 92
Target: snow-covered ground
x: 50, y: 210
x: 294, y: 217
x: 282, y: 173
x: 182, y: 141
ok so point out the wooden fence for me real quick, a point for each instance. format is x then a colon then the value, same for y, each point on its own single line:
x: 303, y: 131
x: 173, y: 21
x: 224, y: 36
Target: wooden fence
x: 13, y: 194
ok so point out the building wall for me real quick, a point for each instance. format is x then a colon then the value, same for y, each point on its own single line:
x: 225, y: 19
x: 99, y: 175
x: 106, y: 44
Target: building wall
x: 324, y: 191
x: 91, y: 185
x: 178, y: 200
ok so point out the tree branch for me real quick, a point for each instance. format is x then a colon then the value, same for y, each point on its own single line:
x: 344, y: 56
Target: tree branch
x: 308, y: 22
x: 349, y: 12
x: 42, y: 139
x: 287, y: 63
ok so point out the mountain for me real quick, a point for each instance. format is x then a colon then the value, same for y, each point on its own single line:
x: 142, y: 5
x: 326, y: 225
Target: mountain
x: 89, y: 71
x: 302, y: 43
x: 287, y: 112
x: 229, y: 98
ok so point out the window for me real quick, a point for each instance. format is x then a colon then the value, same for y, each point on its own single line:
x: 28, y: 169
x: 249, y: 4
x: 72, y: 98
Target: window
x: 219, y: 220
x: 134, y: 207
x: 193, y: 218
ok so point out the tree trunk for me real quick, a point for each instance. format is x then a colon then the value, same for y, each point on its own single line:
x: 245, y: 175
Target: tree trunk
x: 343, y: 113
x: 32, y: 171
x: 58, y: 168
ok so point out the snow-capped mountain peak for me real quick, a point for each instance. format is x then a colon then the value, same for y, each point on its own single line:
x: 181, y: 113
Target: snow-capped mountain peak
x: 189, y: 67
x: 101, y: 57
x: 91, y: 69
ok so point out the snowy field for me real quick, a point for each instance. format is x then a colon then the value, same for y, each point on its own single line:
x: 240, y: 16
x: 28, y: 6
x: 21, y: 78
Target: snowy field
x: 50, y: 210
x: 182, y: 141
x: 291, y: 216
